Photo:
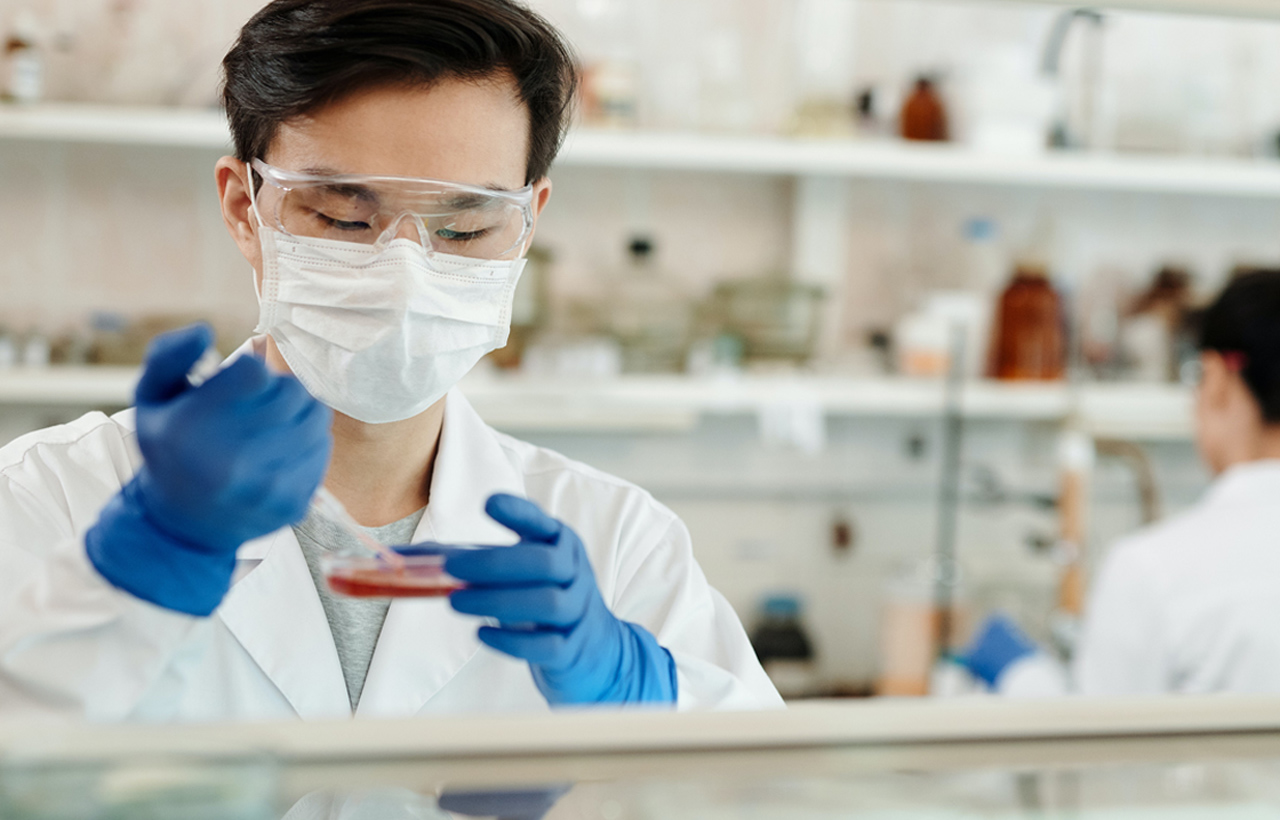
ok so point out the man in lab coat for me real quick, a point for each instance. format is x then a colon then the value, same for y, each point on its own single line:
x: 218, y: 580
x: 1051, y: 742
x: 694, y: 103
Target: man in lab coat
x: 1188, y: 605
x: 162, y: 564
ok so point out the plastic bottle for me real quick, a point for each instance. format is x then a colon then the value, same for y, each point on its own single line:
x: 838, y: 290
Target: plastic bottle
x: 23, y: 62
x: 648, y: 314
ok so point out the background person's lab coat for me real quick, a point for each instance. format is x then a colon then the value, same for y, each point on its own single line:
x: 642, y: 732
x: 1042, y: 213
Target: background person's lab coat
x: 1190, y: 606
x: 71, y: 645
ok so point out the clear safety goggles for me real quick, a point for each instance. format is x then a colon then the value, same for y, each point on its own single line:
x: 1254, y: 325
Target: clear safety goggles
x: 445, y: 217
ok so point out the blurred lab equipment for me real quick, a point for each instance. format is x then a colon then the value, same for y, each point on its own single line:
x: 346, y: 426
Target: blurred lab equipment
x: 1009, y: 103
x: 774, y: 317
x: 8, y: 350
x: 924, y: 116
x: 611, y: 79
x: 784, y: 648
x: 23, y: 65
x: 1076, y: 458
x: 925, y: 339
x: 825, y: 30
x: 36, y: 350
x: 910, y: 626
x: 1075, y: 118
x: 1154, y: 328
x: 1030, y: 337
x: 649, y: 314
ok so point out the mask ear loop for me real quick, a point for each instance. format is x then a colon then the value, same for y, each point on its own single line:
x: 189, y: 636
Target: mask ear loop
x: 262, y: 226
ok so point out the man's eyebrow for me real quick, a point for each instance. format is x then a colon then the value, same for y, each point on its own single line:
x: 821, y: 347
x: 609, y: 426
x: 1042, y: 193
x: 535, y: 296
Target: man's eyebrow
x: 322, y: 171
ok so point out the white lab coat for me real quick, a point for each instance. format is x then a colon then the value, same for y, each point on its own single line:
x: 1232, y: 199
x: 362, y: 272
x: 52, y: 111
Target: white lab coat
x: 1191, y: 605
x: 73, y: 646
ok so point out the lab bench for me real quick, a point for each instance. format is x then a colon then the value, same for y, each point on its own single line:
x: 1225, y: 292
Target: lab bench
x: 1154, y: 758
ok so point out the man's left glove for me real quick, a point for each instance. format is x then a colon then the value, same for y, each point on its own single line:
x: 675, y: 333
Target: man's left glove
x: 542, y: 592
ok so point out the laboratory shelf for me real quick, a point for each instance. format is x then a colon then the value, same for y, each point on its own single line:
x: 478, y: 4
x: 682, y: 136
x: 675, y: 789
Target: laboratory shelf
x: 905, y: 162
x: 676, y: 403
x: 690, y: 152
x: 118, y: 125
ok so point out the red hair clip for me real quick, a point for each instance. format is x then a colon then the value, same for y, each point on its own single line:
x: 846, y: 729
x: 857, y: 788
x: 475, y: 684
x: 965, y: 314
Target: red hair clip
x: 1234, y: 360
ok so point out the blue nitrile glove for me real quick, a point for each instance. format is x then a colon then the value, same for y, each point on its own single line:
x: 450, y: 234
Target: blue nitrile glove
x: 226, y: 462
x: 543, y: 593
x: 527, y: 804
x: 999, y: 644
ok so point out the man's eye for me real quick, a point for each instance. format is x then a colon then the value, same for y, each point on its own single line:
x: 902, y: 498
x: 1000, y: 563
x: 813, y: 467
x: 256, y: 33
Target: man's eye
x: 451, y: 235
x: 342, y: 224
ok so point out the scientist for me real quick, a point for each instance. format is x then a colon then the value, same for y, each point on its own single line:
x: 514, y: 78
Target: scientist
x: 161, y: 564
x: 1189, y: 605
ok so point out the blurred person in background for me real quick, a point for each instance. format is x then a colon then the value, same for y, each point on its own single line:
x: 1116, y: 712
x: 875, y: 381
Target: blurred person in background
x: 1189, y: 605
x: 162, y: 564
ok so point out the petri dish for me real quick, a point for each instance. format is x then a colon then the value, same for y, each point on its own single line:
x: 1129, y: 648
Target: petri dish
x: 368, y: 576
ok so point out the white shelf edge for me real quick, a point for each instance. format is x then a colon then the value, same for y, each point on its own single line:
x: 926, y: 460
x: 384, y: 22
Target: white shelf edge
x: 889, y: 161
x: 906, y: 162
x: 116, y: 125
x: 674, y: 404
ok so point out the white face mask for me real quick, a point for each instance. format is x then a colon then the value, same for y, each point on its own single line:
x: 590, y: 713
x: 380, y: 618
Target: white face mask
x: 381, y: 335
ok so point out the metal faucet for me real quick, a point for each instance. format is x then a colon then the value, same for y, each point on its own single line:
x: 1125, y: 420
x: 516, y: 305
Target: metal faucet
x: 1061, y: 135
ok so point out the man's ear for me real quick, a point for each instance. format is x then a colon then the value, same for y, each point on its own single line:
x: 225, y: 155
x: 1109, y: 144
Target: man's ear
x: 541, y: 196
x: 234, y: 178
x: 1216, y: 379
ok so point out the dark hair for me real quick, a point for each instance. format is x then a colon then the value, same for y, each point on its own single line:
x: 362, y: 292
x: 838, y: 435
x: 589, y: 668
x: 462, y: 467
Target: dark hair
x: 295, y: 56
x: 1245, y: 320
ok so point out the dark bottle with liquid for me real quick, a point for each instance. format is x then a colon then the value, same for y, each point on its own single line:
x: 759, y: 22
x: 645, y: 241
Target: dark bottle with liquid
x: 1030, y: 337
x: 924, y: 117
x: 783, y: 647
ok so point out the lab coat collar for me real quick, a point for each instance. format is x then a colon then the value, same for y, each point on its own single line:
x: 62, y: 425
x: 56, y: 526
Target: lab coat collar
x: 275, y: 612
x: 1248, y: 483
x: 424, y: 643
x: 276, y: 615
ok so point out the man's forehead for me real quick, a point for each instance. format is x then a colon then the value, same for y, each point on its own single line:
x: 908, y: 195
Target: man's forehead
x: 474, y: 133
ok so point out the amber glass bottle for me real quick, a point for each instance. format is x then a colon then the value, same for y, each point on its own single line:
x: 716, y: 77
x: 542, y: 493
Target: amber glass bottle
x: 924, y: 117
x: 1030, y: 338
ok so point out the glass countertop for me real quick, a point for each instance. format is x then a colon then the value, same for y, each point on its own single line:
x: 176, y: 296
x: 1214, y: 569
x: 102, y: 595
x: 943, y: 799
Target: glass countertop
x: 1178, y: 759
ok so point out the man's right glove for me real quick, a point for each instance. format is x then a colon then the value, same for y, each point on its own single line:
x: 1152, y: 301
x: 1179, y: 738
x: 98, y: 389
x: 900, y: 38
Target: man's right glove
x: 234, y: 459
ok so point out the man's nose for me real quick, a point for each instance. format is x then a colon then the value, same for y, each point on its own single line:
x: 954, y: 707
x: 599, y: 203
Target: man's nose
x: 408, y: 226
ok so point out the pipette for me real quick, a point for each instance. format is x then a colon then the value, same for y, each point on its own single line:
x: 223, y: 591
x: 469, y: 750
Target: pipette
x: 326, y: 504
x: 323, y: 502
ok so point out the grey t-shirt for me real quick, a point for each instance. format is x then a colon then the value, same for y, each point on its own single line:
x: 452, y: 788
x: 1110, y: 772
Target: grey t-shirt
x: 354, y: 622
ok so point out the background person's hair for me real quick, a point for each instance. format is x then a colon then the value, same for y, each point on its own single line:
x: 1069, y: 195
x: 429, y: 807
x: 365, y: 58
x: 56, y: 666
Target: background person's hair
x: 295, y: 56
x: 1245, y: 320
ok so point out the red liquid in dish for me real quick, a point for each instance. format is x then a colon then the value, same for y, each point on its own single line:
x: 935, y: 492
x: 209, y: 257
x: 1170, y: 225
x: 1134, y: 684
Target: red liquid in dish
x: 390, y: 583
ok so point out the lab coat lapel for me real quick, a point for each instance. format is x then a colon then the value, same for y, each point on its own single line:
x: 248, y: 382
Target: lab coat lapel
x: 424, y: 643
x: 275, y: 613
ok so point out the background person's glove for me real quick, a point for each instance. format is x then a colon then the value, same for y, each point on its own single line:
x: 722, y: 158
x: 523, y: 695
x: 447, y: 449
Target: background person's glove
x: 998, y: 645
x: 226, y: 462
x: 543, y: 593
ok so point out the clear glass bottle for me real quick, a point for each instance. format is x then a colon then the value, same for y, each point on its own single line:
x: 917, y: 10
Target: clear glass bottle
x: 649, y: 313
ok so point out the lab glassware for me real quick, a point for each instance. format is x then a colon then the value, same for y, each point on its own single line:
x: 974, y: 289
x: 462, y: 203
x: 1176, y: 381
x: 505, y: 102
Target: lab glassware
x: 381, y: 572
